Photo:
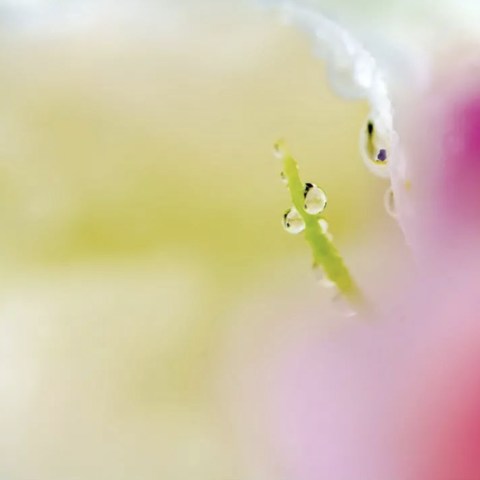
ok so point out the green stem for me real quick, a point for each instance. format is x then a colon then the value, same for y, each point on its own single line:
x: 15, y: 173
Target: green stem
x: 325, y: 254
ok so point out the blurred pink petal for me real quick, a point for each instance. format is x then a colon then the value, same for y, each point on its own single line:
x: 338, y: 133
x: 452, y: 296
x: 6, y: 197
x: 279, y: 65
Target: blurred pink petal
x: 437, y: 194
x: 396, y: 399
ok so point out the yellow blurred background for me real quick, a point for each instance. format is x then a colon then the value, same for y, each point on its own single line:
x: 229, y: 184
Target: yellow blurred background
x: 140, y: 205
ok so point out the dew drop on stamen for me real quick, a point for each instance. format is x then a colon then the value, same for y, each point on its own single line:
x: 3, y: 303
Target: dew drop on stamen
x: 279, y: 150
x: 323, y: 224
x: 374, y: 148
x: 342, y: 306
x: 293, y: 222
x: 321, y: 277
x: 389, y: 201
x: 315, y: 199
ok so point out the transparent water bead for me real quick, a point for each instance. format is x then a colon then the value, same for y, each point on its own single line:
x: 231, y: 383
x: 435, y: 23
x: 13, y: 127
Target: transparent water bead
x: 375, y: 148
x: 389, y: 201
x: 322, y: 277
x: 284, y: 178
x: 342, y: 306
x: 323, y: 224
x: 293, y: 222
x: 315, y: 199
x: 279, y: 150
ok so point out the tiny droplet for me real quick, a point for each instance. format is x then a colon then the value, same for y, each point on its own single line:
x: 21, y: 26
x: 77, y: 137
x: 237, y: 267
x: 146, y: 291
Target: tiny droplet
x: 284, y: 178
x: 323, y: 224
x: 279, y: 150
x: 374, y: 148
x: 322, y: 277
x: 315, y: 199
x: 389, y: 201
x: 342, y: 306
x: 293, y: 222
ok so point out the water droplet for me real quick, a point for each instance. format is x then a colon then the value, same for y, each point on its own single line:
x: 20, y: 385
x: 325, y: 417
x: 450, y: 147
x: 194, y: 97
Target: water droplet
x: 323, y: 225
x: 315, y: 199
x: 375, y: 147
x: 389, y: 201
x: 293, y: 222
x: 321, y: 277
x: 324, y: 228
x: 343, y: 306
x: 284, y: 178
x: 279, y: 150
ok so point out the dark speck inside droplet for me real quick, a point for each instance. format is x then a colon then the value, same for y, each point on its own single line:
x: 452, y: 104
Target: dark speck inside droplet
x: 382, y: 155
x: 370, y: 128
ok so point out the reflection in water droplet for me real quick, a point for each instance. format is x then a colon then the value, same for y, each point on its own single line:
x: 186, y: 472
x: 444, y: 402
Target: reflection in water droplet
x: 315, y: 199
x: 293, y: 222
x: 389, y: 201
x: 382, y: 155
x: 342, y: 306
x: 321, y: 277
